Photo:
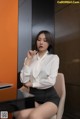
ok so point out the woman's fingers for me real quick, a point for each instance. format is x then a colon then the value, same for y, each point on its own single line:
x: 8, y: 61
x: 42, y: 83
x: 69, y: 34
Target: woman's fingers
x: 32, y: 52
x: 35, y: 52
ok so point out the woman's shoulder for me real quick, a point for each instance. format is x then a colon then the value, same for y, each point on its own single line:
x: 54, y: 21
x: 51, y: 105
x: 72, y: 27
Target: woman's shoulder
x: 53, y: 56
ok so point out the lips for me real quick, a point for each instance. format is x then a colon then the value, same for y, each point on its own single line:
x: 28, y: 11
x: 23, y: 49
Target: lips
x: 40, y: 46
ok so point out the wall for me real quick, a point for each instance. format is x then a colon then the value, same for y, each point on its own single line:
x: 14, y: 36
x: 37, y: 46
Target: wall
x: 8, y: 47
x: 67, y: 46
x: 42, y: 17
x: 24, y: 30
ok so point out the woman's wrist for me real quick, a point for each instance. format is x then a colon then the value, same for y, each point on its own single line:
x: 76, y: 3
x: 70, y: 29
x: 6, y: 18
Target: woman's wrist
x: 28, y: 84
x: 28, y: 61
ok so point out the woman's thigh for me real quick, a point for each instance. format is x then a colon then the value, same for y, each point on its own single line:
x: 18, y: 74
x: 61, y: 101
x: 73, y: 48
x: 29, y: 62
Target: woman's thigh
x: 24, y: 114
x: 44, y: 111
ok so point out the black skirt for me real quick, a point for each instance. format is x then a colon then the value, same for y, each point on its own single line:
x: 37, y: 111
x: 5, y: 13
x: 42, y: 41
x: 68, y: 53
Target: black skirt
x: 45, y: 95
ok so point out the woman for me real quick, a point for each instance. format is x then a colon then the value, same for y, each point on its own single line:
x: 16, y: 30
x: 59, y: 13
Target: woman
x: 39, y: 74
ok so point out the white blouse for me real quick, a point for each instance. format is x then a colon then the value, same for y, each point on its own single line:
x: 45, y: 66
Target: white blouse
x: 42, y: 71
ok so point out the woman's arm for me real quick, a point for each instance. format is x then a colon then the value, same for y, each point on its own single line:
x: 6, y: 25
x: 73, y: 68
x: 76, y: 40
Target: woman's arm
x: 25, y: 72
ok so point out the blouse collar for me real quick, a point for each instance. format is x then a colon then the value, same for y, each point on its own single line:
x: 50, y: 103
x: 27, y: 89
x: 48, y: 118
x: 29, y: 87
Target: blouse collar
x: 40, y: 58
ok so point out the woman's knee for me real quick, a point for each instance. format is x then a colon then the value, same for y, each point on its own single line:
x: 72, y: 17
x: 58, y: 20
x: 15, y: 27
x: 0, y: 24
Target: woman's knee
x: 34, y: 115
x: 21, y: 116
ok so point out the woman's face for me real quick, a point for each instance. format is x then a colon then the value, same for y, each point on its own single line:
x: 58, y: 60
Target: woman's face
x: 42, y: 44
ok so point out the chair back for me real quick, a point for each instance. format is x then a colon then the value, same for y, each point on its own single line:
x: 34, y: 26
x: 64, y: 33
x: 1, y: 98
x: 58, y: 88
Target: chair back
x: 61, y: 91
x: 60, y: 85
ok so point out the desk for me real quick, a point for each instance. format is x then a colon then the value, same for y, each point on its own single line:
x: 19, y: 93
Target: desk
x: 23, y: 101
x: 5, y: 85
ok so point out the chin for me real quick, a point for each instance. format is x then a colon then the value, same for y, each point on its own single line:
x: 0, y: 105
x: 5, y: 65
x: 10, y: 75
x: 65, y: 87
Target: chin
x: 41, y: 50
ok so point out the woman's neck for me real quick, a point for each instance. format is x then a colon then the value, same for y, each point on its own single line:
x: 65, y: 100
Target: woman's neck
x: 41, y: 53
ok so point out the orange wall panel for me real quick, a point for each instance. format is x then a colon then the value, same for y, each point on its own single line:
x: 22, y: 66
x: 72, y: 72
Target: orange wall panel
x: 8, y: 47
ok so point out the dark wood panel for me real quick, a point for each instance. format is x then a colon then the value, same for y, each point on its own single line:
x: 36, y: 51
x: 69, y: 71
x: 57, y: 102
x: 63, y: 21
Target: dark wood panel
x: 72, y: 104
x: 67, y: 46
x: 42, y: 16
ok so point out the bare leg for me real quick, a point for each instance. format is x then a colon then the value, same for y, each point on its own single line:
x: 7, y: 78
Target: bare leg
x: 44, y: 111
x: 24, y: 114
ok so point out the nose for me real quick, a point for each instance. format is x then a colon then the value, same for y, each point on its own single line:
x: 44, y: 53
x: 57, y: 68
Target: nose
x: 41, y: 42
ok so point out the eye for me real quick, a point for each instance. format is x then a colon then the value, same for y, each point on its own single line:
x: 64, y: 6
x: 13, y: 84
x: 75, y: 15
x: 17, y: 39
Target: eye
x: 45, y: 40
x: 38, y: 40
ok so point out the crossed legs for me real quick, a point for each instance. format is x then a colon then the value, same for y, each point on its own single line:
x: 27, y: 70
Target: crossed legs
x: 43, y: 111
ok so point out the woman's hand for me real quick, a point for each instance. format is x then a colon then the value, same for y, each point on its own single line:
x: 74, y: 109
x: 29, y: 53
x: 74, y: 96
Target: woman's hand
x: 31, y: 53
x: 28, y: 84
